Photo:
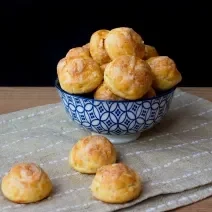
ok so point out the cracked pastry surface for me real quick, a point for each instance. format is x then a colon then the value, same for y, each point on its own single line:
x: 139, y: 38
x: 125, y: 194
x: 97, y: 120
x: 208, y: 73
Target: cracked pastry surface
x: 128, y: 77
x: 116, y: 183
x: 26, y: 183
x: 78, y: 52
x: 90, y: 153
x: 104, y: 93
x: 79, y: 75
x: 97, y: 47
x: 165, y: 73
x: 124, y: 41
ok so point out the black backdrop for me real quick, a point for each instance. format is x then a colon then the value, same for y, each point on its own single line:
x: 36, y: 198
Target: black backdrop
x: 35, y: 35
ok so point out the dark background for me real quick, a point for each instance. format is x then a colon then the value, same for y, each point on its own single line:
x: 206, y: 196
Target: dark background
x: 36, y: 34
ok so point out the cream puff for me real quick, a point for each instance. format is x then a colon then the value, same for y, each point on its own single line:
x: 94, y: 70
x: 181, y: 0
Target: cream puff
x: 104, y: 93
x: 80, y: 75
x: 124, y: 41
x: 165, y: 73
x: 91, y: 153
x: 150, y: 93
x: 78, y: 52
x: 150, y: 51
x: 128, y: 77
x: 116, y: 183
x: 97, y: 46
x: 26, y: 183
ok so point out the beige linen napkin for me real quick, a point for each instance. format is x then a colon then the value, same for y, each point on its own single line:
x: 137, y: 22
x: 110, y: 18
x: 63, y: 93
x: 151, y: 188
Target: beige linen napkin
x: 174, y: 158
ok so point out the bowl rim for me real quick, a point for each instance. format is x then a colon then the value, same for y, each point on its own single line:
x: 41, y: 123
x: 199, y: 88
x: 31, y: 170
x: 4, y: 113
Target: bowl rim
x: 57, y: 85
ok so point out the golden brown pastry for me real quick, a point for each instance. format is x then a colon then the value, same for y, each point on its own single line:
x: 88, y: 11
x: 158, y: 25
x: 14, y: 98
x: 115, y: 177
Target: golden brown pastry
x: 151, y: 93
x: 61, y: 64
x: 87, y: 46
x: 116, y: 183
x: 103, y: 66
x: 78, y: 52
x: 97, y: 47
x: 150, y: 51
x: 26, y: 183
x: 91, y: 153
x: 80, y: 75
x: 104, y: 93
x: 165, y: 73
x: 124, y: 41
x: 128, y: 77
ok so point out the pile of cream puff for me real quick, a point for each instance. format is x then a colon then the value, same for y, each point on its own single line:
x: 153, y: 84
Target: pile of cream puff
x: 117, y: 65
x: 113, y: 182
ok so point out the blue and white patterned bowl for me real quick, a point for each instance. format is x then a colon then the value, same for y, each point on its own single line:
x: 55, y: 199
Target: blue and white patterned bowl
x: 116, y: 118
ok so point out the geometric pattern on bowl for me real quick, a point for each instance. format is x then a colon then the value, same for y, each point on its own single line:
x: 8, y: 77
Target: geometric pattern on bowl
x: 116, y: 117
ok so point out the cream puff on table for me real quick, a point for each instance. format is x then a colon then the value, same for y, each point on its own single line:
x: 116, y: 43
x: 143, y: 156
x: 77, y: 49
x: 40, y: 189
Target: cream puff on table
x: 26, y: 183
x: 116, y: 183
x: 91, y: 153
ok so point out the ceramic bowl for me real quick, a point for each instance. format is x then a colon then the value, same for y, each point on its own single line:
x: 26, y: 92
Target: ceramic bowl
x: 120, y: 121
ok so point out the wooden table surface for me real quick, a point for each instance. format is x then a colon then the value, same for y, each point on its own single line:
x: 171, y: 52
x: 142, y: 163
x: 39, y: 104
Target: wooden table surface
x: 18, y: 98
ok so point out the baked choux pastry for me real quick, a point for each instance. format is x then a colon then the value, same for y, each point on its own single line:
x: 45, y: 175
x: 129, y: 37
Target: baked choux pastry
x: 128, y: 77
x: 80, y: 75
x: 26, y: 183
x: 165, y: 73
x: 87, y: 46
x: 91, y: 153
x: 61, y: 64
x: 97, y: 46
x: 104, y: 93
x: 124, y: 41
x: 103, y: 66
x: 116, y: 183
x: 78, y: 52
x: 150, y: 51
x: 151, y: 93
